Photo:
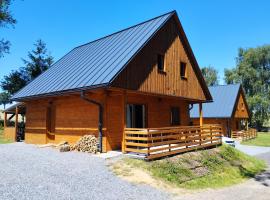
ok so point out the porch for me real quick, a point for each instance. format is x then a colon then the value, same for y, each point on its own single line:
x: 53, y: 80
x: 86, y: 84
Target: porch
x: 153, y: 143
x: 14, y: 122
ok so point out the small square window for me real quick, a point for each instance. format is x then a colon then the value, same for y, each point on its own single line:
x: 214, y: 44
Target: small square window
x: 175, y: 116
x: 183, y: 70
x: 160, y: 59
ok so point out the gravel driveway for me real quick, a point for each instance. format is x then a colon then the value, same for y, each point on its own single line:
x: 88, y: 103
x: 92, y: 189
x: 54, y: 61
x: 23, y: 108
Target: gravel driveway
x: 28, y: 172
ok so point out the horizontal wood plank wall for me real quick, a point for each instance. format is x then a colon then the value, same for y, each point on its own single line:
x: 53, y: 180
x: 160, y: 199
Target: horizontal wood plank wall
x: 241, y: 109
x: 159, y: 109
x: 10, y: 133
x: 74, y: 118
x: 35, y: 127
x: 142, y: 74
x: 115, y: 115
x: 220, y: 121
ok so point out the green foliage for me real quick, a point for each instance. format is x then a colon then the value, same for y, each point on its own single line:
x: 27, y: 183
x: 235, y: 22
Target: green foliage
x: 253, y: 72
x: 38, y: 61
x: 6, y: 19
x: 14, y: 81
x: 263, y: 139
x: 4, y: 99
x: 210, y: 75
x: 212, y: 168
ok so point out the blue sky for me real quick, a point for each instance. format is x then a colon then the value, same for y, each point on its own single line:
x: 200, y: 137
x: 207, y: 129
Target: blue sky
x: 215, y: 29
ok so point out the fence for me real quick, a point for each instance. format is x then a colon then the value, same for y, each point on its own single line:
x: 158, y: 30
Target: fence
x: 251, y: 133
x: 159, y: 142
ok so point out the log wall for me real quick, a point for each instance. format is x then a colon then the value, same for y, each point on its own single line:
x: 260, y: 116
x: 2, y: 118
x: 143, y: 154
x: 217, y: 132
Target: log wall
x: 75, y: 117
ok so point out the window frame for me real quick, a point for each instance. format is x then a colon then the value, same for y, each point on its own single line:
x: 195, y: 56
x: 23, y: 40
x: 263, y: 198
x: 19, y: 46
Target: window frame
x: 183, y: 64
x: 162, y: 56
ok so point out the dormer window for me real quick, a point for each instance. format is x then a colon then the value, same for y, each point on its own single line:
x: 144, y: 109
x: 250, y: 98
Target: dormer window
x: 160, y: 60
x: 183, y: 70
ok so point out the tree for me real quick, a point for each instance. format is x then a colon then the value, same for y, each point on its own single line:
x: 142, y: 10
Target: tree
x: 38, y: 62
x: 210, y: 75
x: 4, y: 99
x: 6, y: 19
x: 253, y: 72
x: 14, y: 81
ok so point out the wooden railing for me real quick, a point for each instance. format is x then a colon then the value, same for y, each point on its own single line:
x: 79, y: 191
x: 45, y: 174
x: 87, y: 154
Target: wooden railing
x: 154, y: 143
x: 251, y: 133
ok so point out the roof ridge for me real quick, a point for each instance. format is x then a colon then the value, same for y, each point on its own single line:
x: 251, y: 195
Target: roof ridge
x: 224, y: 85
x: 171, y: 12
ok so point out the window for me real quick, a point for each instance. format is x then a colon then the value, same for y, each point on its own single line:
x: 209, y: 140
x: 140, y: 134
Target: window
x: 160, y: 59
x: 175, y: 116
x: 183, y: 70
x: 135, y: 117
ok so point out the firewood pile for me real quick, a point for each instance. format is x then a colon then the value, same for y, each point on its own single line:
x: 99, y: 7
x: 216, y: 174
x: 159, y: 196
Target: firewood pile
x: 87, y: 143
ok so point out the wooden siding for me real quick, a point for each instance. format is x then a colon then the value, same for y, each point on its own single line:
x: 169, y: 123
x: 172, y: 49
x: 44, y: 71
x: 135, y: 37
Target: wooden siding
x: 142, y: 74
x: 241, y: 110
x: 10, y: 133
x: 75, y: 117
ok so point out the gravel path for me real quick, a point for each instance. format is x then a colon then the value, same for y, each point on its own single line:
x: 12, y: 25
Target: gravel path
x: 251, y: 150
x: 28, y: 172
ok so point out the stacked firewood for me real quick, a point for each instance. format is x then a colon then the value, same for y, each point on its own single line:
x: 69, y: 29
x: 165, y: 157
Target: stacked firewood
x: 87, y: 143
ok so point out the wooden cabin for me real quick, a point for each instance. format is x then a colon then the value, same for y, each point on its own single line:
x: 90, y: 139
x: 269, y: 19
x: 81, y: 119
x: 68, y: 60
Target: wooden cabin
x: 143, y: 76
x: 229, y: 109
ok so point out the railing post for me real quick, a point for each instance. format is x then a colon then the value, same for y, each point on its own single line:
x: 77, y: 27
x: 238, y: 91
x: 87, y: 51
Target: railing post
x: 124, y: 142
x: 211, y: 134
x: 148, y: 147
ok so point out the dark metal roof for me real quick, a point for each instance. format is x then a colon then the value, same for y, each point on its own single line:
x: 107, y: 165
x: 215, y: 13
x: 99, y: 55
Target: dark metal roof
x: 94, y: 64
x: 224, y: 99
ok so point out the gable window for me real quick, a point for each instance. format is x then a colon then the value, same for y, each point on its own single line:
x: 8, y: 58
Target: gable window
x: 160, y: 59
x: 175, y: 116
x: 183, y: 70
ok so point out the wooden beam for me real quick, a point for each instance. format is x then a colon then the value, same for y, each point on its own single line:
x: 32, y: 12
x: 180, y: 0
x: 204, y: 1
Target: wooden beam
x: 5, y: 120
x: 201, y: 114
x: 16, y: 122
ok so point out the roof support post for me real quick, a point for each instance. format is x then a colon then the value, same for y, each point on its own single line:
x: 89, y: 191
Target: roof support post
x: 201, y: 114
x: 16, y: 122
x: 5, y: 120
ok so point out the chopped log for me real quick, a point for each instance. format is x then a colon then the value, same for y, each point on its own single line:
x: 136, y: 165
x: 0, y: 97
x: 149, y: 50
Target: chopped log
x: 87, y: 143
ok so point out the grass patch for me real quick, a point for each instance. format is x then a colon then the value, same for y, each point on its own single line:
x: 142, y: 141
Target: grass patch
x: 212, y: 168
x: 263, y: 139
x: 2, y: 139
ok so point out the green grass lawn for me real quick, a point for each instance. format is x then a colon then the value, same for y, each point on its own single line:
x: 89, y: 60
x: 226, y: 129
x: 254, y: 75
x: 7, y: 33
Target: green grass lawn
x: 2, y: 139
x: 263, y: 139
x: 214, y: 168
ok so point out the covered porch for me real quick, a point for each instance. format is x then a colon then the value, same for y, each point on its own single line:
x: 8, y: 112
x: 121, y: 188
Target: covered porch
x: 14, y: 118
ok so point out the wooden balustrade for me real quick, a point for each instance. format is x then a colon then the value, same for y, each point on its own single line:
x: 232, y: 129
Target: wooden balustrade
x: 159, y: 142
x: 251, y: 133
